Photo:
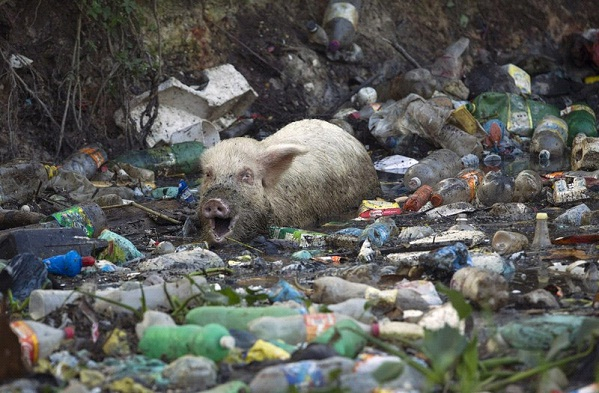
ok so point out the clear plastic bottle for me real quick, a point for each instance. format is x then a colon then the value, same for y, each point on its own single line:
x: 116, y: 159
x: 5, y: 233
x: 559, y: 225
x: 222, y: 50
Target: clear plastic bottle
x: 438, y: 165
x: 317, y: 34
x: 508, y: 242
x: 379, y: 231
x: 496, y: 187
x: 549, y: 139
x: 69, y: 264
x: 340, y: 22
x: 462, y: 224
x: 86, y: 160
x: 527, y: 186
x: 171, y: 342
x: 450, y: 190
x: 449, y: 65
x: 297, y: 329
x: 39, y: 340
x: 455, y: 139
x: 305, y: 375
x: 541, y: 238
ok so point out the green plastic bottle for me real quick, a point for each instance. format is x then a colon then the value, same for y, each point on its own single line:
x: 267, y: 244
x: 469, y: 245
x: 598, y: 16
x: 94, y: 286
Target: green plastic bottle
x: 580, y: 119
x: 181, y: 157
x: 235, y: 317
x: 344, y: 337
x: 168, y: 343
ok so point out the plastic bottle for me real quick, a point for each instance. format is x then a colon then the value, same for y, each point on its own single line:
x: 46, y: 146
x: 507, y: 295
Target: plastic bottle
x: 438, y: 165
x: 331, y: 290
x: 486, y: 288
x: 171, y: 342
x: 450, y: 190
x: 461, y: 224
x: 541, y: 238
x: 549, y: 139
x: 181, y: 157
x: 449, y: 65
x: 184, y: 193
x: 474, y: 177
x: 20, y: 182
x: 379, y: 231
x: 495, y: 188
x: 86, y: 215
x: 86, y: 160
x: 418, y: 198
x: 365, y: 112
x: 296, y: 329
x: 340, y: 22
x: 235, y: 317
x: 305, y: 375
x: 508, y: 242
x: 39, y: 340
x: 69, y: 264
x: 580, y: 119
x: 317, y: 34
x: 527, y: 186
x: 120, y: 248
x: 457, y: 140
x: 345, y: 337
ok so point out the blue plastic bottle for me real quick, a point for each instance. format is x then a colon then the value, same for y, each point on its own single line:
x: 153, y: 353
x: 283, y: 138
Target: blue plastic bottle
x: 69, y: 264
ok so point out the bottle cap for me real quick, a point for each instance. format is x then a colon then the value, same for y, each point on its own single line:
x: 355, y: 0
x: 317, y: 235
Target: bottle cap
x: 334, y: 46
x: 414, y: 183
x: 436, y: 199
x: 542, y: 216
x: 69, y: 332
x: 375, y: 329
x: 88, y: 261
x: 312, y: 26
x: 227, y: 342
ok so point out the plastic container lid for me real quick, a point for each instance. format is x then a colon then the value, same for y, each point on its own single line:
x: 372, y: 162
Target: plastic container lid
x: 88, y: 261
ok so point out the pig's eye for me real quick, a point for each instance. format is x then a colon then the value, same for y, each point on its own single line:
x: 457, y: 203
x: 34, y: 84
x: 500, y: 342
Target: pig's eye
x: 246, y: 176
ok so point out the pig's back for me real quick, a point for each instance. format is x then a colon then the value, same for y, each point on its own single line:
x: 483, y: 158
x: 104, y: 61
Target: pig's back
x: 332, y: 178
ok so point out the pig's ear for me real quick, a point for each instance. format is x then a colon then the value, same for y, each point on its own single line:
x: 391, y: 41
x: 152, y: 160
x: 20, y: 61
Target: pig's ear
x: 276, y: 159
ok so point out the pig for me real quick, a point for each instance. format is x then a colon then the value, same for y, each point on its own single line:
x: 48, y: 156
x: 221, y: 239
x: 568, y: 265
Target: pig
x: 307, y: 172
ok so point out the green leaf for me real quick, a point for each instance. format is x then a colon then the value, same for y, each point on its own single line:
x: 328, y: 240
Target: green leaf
x: 467, y: 369
x: 457, y: 300
x: 443, y: 348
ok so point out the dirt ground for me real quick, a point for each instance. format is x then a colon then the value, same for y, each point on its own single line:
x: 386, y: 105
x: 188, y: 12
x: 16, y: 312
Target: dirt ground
x: 91, y: 57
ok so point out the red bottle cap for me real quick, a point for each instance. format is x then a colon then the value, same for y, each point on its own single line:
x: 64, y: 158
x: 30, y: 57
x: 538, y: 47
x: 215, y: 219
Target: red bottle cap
x: 69, y: 332
x: 375, y: 330
x: 88, y: 261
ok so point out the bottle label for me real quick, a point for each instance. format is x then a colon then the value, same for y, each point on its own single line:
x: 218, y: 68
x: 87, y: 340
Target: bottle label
x: 341, y: 10
x: 95, y: 154
x: 303, y: 376
x: 28, y: 340
x: 317, y: 323
x: 376, y: 295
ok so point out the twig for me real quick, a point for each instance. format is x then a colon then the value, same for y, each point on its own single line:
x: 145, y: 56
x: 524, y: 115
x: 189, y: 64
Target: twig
x: 403, y: 52
x: 232, y: 37
x: 147, y: 209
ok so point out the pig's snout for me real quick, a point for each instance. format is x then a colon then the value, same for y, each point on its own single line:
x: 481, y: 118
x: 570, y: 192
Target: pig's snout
x: 220, y: 218
x: 215, y: 208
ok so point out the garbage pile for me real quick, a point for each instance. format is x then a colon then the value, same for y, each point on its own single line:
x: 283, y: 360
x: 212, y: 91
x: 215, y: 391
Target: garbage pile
x: 474, y: 271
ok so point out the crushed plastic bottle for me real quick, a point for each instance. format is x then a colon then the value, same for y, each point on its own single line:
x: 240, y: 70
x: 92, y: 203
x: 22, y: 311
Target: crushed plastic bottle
x: 438, y: 165
x: 38, y: 340
x: 380, y: 231
x: 69, y: 264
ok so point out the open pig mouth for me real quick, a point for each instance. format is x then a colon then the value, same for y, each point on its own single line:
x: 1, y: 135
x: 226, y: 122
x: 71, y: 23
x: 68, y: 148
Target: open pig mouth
x: 222, y: 227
